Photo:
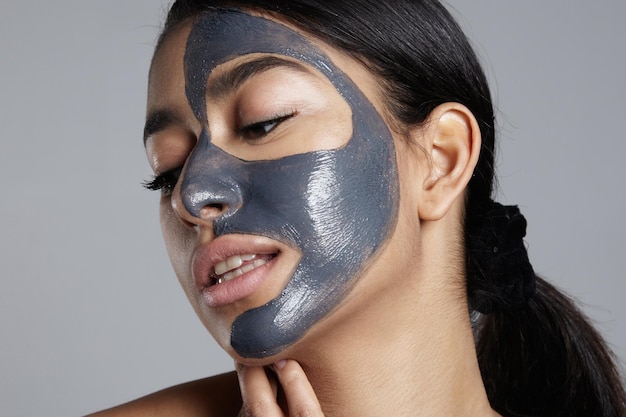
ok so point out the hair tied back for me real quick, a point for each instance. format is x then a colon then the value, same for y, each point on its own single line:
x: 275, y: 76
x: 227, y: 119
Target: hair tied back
x: 500, y: 276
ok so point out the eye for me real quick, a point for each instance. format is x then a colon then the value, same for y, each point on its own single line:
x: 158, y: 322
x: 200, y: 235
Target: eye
x: 164, y: 182
x: 260, y: 129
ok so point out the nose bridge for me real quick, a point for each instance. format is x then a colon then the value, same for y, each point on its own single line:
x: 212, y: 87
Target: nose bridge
x: 210, y: 180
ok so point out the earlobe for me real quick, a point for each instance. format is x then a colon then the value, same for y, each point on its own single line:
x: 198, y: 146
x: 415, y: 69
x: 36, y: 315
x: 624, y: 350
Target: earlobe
x: 452, y: 139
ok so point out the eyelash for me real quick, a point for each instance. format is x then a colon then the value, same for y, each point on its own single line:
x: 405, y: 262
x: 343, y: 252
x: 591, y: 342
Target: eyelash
x: 164, y: 182
x: 251, y: 131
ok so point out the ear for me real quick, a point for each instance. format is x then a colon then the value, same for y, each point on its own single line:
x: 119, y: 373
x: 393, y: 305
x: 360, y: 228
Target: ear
x: 452, y: 140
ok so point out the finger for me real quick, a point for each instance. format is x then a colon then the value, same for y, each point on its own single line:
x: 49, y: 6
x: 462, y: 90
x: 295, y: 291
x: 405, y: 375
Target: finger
x: 301, y: 399
x: 257, y: 393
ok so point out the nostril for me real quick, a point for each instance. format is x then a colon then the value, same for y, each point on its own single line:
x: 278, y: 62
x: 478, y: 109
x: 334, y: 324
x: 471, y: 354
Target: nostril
x: 211, y: 211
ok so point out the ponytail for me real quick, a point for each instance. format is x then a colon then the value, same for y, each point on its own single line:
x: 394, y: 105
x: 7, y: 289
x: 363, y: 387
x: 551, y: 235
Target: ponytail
x: 537, y: 352
x: 545, y: 359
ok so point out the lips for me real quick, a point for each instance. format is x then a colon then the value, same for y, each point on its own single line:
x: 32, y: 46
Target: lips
x: 232, y: 267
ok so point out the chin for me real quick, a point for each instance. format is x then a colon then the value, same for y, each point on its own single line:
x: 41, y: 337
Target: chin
x: 266, y: 361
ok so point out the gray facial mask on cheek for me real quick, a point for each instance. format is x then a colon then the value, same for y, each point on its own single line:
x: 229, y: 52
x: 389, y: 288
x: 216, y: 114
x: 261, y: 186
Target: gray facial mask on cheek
x: 336, y: 206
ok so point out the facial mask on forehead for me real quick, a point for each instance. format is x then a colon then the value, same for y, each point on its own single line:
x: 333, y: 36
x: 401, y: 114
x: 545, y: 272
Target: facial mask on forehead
x: 336, y: 207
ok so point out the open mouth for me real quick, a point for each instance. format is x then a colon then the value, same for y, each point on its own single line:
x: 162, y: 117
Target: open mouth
x: 238, y: 265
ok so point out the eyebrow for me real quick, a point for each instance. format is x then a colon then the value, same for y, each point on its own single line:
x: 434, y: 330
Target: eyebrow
x: 158, y: 121
x: 229, y: 81
x: 221, y: 86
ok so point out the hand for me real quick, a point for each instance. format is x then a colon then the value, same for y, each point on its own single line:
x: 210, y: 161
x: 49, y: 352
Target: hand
x: 259, y: 391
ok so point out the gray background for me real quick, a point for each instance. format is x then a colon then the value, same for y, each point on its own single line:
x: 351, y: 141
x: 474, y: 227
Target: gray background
x: 90, y: 312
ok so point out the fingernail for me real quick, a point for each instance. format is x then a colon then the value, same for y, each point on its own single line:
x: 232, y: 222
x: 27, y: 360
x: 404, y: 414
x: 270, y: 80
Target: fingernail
x: 280, y: 364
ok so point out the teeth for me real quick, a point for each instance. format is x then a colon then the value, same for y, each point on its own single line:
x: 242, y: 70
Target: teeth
x: 240, y: 271
x: 234, y: 267
x: 233, y: 262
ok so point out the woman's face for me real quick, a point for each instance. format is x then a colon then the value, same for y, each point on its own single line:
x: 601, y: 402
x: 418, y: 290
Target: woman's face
x: 279, y: 177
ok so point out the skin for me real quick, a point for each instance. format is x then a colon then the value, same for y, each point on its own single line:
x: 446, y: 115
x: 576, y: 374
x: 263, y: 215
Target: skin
x: 334, y: 206
x: 400, y: 342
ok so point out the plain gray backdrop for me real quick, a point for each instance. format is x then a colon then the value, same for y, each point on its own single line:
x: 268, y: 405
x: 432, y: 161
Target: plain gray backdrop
x: 90, y: 311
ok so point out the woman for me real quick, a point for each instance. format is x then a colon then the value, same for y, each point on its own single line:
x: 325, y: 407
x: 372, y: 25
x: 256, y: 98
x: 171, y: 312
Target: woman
x: 326, y: 171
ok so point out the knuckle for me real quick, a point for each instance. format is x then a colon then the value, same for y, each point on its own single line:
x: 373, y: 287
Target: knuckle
x: 292, y: 376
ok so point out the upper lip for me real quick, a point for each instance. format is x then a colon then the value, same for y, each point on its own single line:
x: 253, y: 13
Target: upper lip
x: 206, y: 256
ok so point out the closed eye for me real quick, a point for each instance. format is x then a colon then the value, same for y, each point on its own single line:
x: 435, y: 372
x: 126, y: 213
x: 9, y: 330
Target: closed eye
x: 164, y: 182
x: 258, y: 130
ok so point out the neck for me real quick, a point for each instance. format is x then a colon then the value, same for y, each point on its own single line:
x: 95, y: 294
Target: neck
x: 435, y: 376
x: 420, y: 363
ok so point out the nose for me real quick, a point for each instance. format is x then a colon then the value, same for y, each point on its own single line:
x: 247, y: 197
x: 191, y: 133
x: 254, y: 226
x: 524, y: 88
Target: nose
x: 210, y: 188
x: 209, y: 199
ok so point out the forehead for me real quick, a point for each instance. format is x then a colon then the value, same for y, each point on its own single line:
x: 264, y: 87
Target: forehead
x: 219, y: 37
x: 214, y: 38
x: 166, y: 78
x: 190, y: 52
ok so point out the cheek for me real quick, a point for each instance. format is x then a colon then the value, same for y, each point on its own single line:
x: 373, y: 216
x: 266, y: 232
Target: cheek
x: 413, y: 169
x: 178, y: 241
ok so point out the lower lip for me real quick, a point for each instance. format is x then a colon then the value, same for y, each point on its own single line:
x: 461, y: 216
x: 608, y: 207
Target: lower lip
x: 238, y: 288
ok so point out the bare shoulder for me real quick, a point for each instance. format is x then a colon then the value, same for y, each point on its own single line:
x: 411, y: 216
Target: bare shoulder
x: 215, y: 396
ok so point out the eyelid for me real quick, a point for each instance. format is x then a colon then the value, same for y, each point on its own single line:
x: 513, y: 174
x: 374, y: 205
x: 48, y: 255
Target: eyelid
x: 167, y: 152
x: 277, y: 120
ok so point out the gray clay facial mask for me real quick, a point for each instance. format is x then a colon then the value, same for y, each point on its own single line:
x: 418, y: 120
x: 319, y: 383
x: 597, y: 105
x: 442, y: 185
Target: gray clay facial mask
x: 336, y: 206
